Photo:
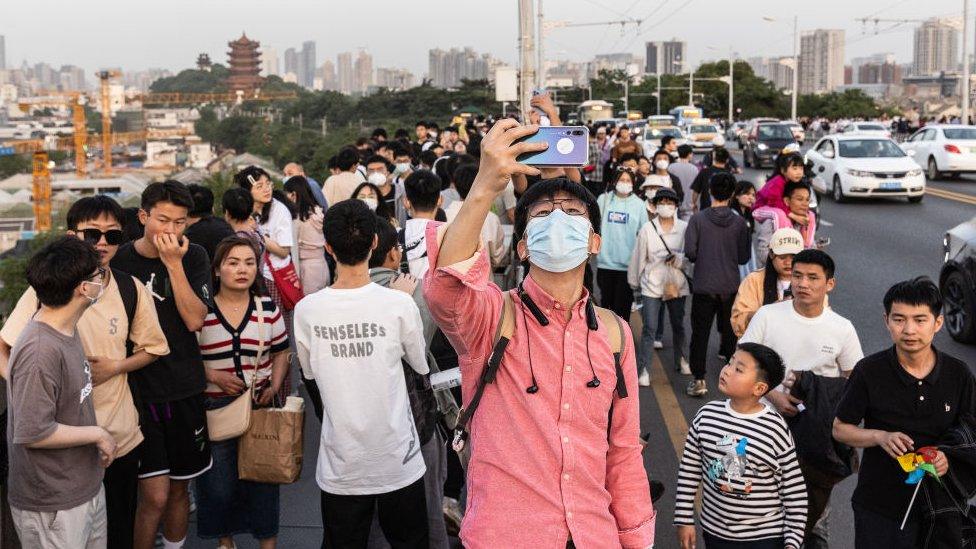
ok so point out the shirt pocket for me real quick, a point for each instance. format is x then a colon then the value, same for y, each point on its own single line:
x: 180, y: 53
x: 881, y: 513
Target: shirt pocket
x: 598, y: 400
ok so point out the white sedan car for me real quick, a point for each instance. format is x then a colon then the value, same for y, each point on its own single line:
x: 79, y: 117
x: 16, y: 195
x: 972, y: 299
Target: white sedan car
x: 851, y: 165
x: 868, y: 128
x: 944, y: 149
x: 654, y: 134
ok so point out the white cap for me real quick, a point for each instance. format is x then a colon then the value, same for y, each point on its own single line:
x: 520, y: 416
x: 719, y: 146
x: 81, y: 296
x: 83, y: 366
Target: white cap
x: 655, y: 180
x: 786, y: 241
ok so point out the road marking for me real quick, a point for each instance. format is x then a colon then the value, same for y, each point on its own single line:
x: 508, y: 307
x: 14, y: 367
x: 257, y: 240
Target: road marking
x: 951, y: 195
x: 667, y: 401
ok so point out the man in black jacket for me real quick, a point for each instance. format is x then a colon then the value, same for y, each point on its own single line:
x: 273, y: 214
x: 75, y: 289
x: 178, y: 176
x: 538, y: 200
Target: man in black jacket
x: 717, y: 241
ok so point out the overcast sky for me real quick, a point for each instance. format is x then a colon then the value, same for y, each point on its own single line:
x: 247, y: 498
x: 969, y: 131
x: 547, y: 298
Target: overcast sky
x: 169, y: 34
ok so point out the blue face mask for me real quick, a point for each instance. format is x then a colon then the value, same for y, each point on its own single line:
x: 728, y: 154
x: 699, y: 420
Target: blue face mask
x: 558, y: 242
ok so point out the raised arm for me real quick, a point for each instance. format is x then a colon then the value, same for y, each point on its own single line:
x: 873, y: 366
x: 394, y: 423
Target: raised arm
x: 498, y: 165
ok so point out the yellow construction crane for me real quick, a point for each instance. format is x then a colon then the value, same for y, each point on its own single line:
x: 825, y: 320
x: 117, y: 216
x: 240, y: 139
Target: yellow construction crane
x: 77, y: 101
x: 42, y: 192
x: 106, y: 95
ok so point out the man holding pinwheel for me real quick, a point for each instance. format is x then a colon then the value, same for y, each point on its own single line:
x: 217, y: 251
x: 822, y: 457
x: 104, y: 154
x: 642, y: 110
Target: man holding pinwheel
x: 913, y: 400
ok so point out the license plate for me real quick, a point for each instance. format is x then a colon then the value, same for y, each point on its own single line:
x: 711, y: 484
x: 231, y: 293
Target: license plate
x: 891, y: 185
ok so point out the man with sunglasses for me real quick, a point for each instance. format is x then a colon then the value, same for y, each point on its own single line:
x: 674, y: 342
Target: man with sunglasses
x: 549, y: 466
x: 105, y: 330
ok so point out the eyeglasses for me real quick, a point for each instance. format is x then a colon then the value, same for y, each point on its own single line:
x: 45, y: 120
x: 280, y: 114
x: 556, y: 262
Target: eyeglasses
x: 113, y: 237
x: 570, y: 206
x: 99, y: 274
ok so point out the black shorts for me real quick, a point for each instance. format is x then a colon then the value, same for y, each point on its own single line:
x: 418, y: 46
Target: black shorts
x: 176, y: 439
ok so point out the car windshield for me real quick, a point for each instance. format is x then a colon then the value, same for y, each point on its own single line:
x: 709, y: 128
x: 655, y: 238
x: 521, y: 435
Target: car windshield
x: 870, y: 127
x: 702, y: 129
x: 774, y: 131
x: 657, y: 133
x: 960, y: 133
x: 870, y: 148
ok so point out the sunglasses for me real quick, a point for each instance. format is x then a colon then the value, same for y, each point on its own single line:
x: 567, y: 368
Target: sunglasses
x: 113, y: 237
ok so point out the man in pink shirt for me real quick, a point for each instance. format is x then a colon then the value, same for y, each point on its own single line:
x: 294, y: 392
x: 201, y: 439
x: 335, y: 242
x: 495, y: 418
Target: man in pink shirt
x: 555, y: 450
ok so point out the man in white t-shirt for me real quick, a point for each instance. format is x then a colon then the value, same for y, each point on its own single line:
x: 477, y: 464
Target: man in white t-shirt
x: 422, y: 190
x: 351, y: 339
x: 809, y: 337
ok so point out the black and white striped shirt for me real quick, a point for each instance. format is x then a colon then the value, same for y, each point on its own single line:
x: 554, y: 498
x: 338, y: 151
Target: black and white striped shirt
x: 746, y: 463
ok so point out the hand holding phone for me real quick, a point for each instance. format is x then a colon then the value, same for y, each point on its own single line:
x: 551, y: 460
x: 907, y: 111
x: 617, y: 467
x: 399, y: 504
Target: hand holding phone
x: 499, y: 150
x: 568, y: 147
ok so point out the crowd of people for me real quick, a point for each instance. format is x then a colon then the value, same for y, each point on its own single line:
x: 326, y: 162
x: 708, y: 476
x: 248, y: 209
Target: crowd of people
x: 438, y: 256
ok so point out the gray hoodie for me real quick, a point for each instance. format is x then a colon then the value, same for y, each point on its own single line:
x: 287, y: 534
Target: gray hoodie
x: 717, y: 241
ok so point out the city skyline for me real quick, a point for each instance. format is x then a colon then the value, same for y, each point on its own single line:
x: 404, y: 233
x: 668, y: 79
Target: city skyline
x: 495, y: 34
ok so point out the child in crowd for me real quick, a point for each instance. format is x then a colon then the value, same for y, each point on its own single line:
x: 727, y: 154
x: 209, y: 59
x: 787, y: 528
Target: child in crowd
x: 741, y: 451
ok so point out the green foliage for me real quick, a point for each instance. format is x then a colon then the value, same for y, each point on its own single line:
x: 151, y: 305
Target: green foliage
x: 14, y: 164
x: 218, y: 183
x: 847, y: 104
x: 12, y: 269
x: 193, y: 81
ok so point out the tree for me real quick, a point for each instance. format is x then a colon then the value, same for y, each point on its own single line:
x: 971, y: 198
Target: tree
x: 13, y: 282
x: 193, y: 81
x: 14, y: 164
x: 847, y: 104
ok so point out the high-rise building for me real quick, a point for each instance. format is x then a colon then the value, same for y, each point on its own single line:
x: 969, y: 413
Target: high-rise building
x: 269, y: 61
x: 362, y: 71
x: 778, y: 70
x: 344, y: 72
x: 821, y: 60
x: 307, y: 64
x: 71, y: 77
x: 880, y: 68
x: 936, y: 47
x: 446, y: 69
x: 394, y: 79
x: 291, y: 62
x: 327, y: 72
x: 3, y: 54
x: 666, y: 57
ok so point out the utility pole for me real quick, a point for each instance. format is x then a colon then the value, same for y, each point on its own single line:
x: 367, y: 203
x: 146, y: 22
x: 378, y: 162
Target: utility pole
x: 731, y: 77
x: 965, y: 62
x: 540, y: 64
x: 659, y: 91
x: 796, y: 69
x: 691, y: 86
x: 526, y: 55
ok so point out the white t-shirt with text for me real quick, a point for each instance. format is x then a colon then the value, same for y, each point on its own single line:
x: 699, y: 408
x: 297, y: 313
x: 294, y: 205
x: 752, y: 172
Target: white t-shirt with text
x: 278, y: 228
x: 351, y: 343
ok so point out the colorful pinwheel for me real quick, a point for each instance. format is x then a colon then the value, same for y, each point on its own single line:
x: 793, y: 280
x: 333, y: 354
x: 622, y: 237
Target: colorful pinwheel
x: 917, y: 464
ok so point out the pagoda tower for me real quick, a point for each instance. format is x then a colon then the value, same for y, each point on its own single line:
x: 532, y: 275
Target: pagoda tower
x: 245, y: 65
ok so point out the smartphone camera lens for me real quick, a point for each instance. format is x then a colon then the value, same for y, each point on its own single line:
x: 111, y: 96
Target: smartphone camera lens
x: 578, y: 132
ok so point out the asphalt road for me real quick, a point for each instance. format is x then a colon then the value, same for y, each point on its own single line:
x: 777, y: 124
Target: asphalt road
x: 874, y: 243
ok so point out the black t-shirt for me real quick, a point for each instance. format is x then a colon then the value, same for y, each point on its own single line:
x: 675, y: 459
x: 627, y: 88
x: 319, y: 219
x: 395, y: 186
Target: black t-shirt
x: 208, y: 232
x: 700, y: 185
x: 179, y: 374
x: 886, y: 397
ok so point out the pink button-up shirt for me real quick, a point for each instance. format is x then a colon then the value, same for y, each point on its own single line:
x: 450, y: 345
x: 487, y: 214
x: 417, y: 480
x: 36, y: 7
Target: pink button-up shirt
x: 543, y: 468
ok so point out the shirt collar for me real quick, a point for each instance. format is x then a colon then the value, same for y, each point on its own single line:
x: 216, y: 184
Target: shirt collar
x: 908, y: 379
x: 547, y: 304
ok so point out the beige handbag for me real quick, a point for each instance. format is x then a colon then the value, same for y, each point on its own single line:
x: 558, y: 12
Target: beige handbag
x: 234, y: 420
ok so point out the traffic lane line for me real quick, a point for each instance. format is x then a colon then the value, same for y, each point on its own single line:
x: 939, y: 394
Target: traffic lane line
x: 667, y: 401
x: 950, y: 195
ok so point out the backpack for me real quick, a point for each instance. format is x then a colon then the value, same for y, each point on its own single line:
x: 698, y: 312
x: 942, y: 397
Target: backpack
x: 130, y: 299
x: 503, y: 335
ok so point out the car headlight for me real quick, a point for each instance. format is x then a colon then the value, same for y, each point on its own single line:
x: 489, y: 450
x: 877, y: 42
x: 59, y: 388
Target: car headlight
x: 859, y: 173
x: 914, y: 173
x: 762, y: 146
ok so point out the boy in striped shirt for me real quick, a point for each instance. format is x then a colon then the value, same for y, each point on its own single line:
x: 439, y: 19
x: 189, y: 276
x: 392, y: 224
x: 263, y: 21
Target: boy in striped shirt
x: 742, y: 453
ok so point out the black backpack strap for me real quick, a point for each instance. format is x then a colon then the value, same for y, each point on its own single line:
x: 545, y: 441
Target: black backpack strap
x: 130, y: 300
x: 503, y: 335
x: 402, y: 240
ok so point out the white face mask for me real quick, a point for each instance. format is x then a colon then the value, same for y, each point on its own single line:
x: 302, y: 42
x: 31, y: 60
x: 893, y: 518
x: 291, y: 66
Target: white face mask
x: 402, y: 167
x: 371, y: 202
x: 101, y: 290
x: 661, y: 164
x: 624, y: 188
x: 376, y: 178
x: 666, y: 210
